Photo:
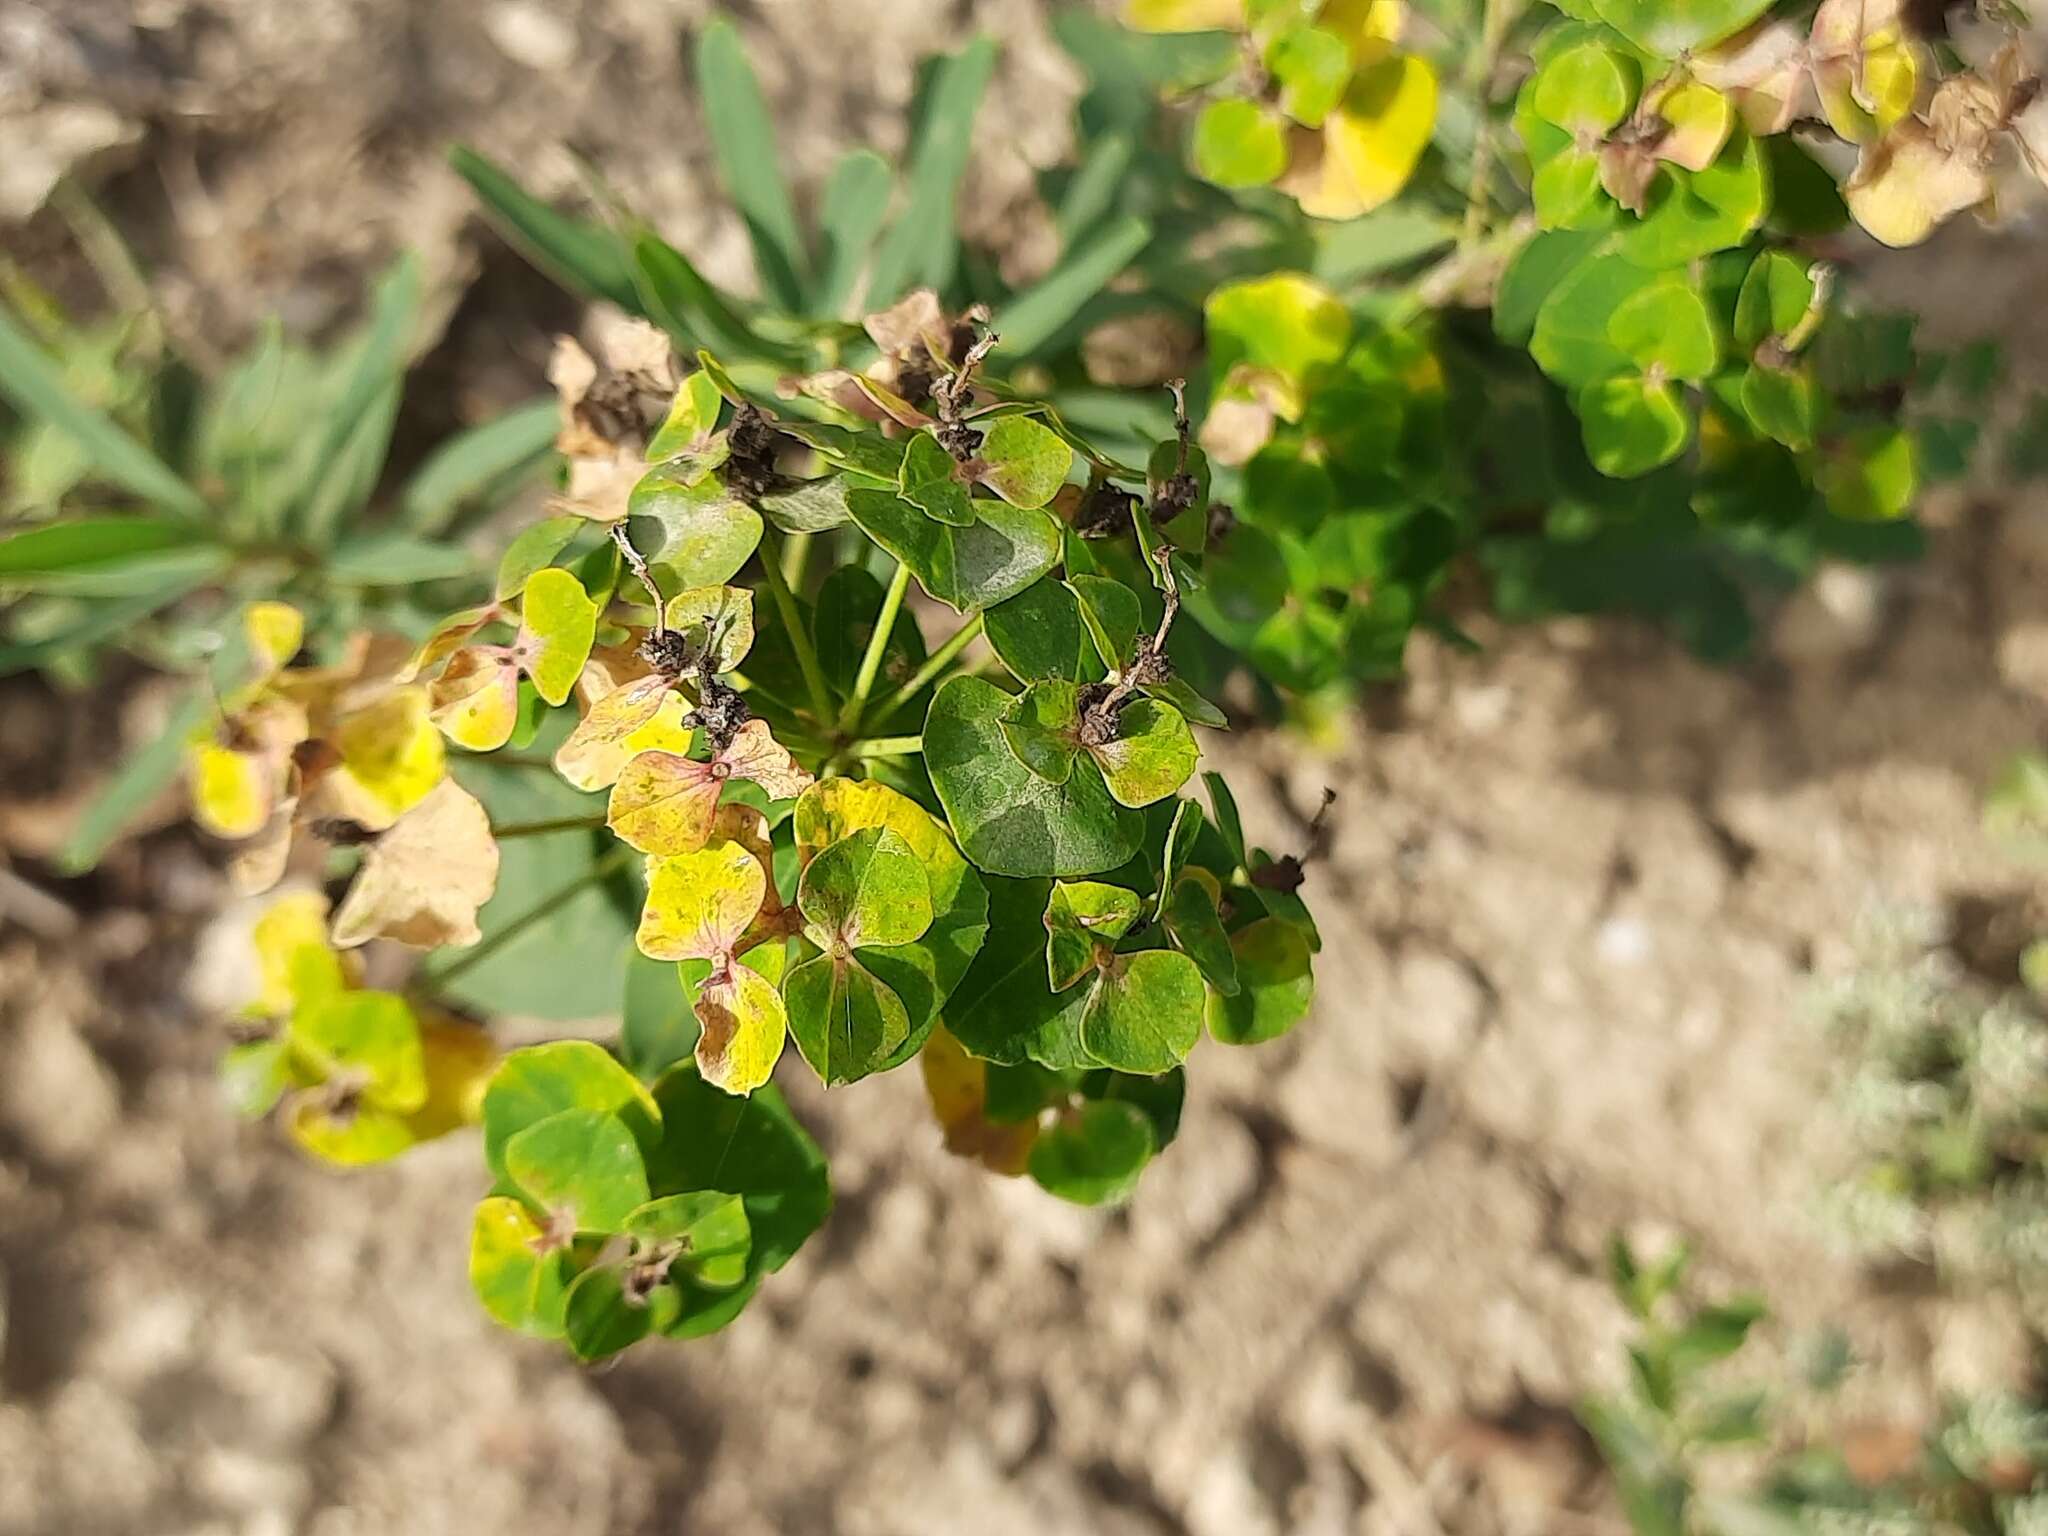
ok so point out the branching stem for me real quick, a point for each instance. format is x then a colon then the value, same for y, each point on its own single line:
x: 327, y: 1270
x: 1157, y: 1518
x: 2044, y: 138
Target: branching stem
x: 878, y: 646
x: 934, y: 665
x: 799, y: 637
x: 602, y: 870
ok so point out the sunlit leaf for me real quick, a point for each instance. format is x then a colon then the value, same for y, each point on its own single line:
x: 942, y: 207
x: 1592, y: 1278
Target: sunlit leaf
x: 422, y: 881
x: 1093, y: 1155
x: 579, y: 1166
x: 369, y: 1040
x: 709, y: 1230
x: 1238, y: 143
x: 541, y: 1080
x: 1275, y: 984
x: 699, y: 903
x: 867, y: 888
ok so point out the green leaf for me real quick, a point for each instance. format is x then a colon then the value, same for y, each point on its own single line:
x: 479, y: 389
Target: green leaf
x: 92, y: 544
x: 1781, y: 404
x: 658, y: 1029
x: 1585, y: 89
x: 1570, y: 339
x: 691, y: 424
x: 1040, y: 637
x: 34, y: 383
x: 1775, y: 294
x: 1287, y: 322
x: 1666, y: 326
x: 1632, y: 425
x: 387, y: 558
x: 1094, y: 1155
x: 475, y: 464
x: 1695, y: 213
x: 534, y: 549
x: 1670, y: 29
x: 1027, y: 462
x: 538, y: 1081
x: 581, y: 256
x: 806, y: 506
x: 254, y: 1076
x: 376, y: 365
x: 1146, y: 1012
x: 743, y: 135
x: 921, y: 248
x: 750, y: 1147
x: 581, y: 1164
x: 1567, y: 194
x: 1713, y: 1333
x: 368, y: 1038
x: 1275, y: 984
x: 1313, y: 66
x: 600, y: 1317
x: 521, y: 1280
x: 1871, y: 476
x: 846, y: 1023
x: 679, y: 299
x: 1379, y: 242
x: 997, y: 556
x: 1538, y: 267
x: 1084, y: 919
x: 712, y: 1229
x: 1007, y: 819
x: 1195, y: 929
x: 1152, y: 755
x: 925, y: 971
x: 1238, y: 143
x: 1032, y: 319
x: 932, y: 482
x: 1039, y: 729
x: 699, y: 534
x: 850, y: 215
x: 867, y: 888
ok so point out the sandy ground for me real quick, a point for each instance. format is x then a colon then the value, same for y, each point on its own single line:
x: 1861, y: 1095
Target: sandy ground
x: 1578, y: 900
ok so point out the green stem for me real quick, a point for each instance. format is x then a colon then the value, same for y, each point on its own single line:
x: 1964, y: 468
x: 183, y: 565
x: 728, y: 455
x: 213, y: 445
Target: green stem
x: 543, y: 828
x: 796, y: 555
x: 799, y: 637
x: 886, y: 746
x: 878, y: 645
x: 1497, y: 17
x: 934, y: 664
x: 603, y: 869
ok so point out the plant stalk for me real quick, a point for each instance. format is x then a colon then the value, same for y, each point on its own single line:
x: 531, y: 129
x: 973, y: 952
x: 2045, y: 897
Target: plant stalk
x: 878, y: 645
x: 543, y: 828
x: 603, y: 869
x: 935, y: 664
x: 799, y: 637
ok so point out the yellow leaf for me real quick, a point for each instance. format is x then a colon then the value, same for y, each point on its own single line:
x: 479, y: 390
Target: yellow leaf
x: 1371, y: 27
x: 459, y: 1058
x: 663, y: 803
x: 475, y: 702
x: 596, y: 750
x: 349, y: 1137
x: 744, y: 1027
x: 1184, y: 15
x: 957, y: 1086
x: 293, y: 958
x: 557, y: 623
x: 422, y: 882
x: 232, y: 792
x: 1764, y: 70
x: 699, y: 904
x: 448, y: 637
x: 1379, y: 133
x: 392, y: 753
x: 1701, y: 120
x: 275, y: 631
x: 665, y: 732
x: 1906, y: 185
x: 756, y: 754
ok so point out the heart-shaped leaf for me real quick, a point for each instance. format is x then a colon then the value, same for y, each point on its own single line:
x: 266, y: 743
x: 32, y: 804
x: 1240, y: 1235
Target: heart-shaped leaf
x: 932, y: 481
x: 1040, y: 637
x: 1275, y: 984
x: 1152, y: 755
x: 867, y: 888
x: 1632, y: 424
x: 701, y: 534
x: 541, y: 1080
x: 1024, y: 461
x: 1195, y: 929
x: 1008, y: 820
x: 700, y: 903
x: 1313, y: 65
x: 1084, y: 919
x: 579, y: 1167
x: 519, y: 1274
x: 370, y: 1039
x: 557, y: 624
x: 1003, y: 551
x: 742, y: 1028
x: 1095, y: 1154
x: 845, y: 1021
x: 716, y: 623
x: 1039, y: 729
x: 957, y: 1085
x: 422, y: 881
x: 475, y: 700
x: 1666, y: 327
x: 706, y: 1229
x: 1585, y: 89
x: 598, y: 749
x: 1145, y: 1013
x: 1670, y: 29
x: 1237, y: 143
x: 601, y: 1315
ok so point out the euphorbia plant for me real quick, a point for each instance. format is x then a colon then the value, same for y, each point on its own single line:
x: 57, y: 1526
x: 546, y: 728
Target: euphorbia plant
x: 826, y: 832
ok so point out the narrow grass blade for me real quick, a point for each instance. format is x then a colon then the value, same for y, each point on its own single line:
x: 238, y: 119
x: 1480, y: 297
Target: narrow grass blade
x: 32, y: 382
x: 922, y: 248
x: 137, y: 782
x: 376, y: 364
x: 855, y: 203
x: 582, y: 256
x: 1093, y: 187
x: 1035, y: 316
x: 475, y: 464
x: 743, y: 134
x: 690, y: 309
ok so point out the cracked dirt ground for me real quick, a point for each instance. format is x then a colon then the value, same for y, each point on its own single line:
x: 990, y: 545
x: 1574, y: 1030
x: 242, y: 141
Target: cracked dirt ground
x: 1577, y: 900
